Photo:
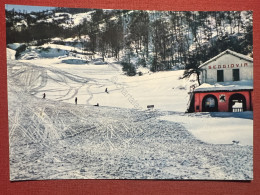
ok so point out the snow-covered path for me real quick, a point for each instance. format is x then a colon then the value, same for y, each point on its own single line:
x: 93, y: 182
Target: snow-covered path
x: 54, y: 139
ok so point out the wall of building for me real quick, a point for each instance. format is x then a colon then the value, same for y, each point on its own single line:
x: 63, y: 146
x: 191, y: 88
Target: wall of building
x: 223, y: 106
x: 227, y: 62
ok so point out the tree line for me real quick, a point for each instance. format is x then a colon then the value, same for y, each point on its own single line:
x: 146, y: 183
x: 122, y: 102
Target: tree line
x: 153, y: 39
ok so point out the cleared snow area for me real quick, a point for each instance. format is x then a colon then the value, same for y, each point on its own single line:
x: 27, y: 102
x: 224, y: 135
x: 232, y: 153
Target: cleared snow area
x: 53, y: 138
x: 218, y: 130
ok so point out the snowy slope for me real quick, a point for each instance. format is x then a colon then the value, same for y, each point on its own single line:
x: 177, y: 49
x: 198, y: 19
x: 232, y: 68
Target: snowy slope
x: 62, y: 141
x: 63, y: 82
x: 53, y: 138
x: 164, y: 90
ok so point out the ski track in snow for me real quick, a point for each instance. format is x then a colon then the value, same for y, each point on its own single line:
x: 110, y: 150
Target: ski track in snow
x: 56, y: 140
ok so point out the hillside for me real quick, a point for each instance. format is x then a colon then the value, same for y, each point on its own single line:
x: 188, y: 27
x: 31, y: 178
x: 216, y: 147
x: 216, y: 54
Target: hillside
x: 157, y: 40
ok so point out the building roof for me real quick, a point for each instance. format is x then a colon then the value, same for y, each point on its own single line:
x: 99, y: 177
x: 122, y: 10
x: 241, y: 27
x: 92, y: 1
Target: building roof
x: 228, y: 52
x: 225, y: 86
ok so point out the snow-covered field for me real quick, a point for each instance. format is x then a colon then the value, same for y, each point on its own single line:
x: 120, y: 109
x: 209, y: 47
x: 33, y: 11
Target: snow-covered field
x: 53, y: 138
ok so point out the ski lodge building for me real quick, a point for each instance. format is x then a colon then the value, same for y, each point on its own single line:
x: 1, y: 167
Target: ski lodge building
x: 227, y: 84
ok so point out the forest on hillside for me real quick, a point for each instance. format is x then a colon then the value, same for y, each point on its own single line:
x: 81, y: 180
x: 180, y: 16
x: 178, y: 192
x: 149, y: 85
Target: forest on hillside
x: 159, y: 40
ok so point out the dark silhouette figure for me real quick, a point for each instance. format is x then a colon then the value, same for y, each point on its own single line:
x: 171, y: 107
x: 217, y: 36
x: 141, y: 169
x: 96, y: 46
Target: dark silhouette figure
x: 222, y: 98
x: 44, y: 95
x: 106, y: 90
x: 76, y: 100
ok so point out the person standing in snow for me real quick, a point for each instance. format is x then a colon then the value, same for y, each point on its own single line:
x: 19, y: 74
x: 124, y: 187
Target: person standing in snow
x: 44, y: 95
x: 106, y: 90
x: 76, y: 100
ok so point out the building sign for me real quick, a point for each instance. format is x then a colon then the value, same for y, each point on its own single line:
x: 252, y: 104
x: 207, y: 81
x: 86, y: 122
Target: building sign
x: 222, y: 98
x: 227, y: 66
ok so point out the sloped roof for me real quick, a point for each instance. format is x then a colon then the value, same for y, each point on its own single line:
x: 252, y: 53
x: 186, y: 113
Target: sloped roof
x: 239, y: 55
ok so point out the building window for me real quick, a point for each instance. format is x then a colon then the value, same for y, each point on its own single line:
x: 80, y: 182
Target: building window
x: 236, y: 75
x: 220, y: 76
x: 203, y: 76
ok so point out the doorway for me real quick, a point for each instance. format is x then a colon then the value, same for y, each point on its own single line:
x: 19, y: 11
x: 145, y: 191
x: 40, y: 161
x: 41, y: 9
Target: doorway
x: 210, y: 104
x: 237, y: 103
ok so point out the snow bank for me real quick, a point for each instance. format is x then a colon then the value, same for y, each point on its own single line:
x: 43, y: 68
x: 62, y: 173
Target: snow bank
x: 49, y: 51
x: 30, y: 55
x: 14, y: 46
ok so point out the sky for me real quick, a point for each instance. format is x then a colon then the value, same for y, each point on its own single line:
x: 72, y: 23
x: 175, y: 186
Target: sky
x: 27, y: 8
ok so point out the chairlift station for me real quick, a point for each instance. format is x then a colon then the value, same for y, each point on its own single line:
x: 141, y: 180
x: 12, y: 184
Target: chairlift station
x: 226, y: 84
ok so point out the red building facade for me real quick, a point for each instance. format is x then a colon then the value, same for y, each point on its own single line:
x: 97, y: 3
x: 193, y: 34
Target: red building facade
x: 224, y: 101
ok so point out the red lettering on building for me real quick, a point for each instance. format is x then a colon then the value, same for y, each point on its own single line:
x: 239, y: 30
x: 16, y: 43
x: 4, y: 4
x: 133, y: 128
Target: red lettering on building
x: 227, y: 66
